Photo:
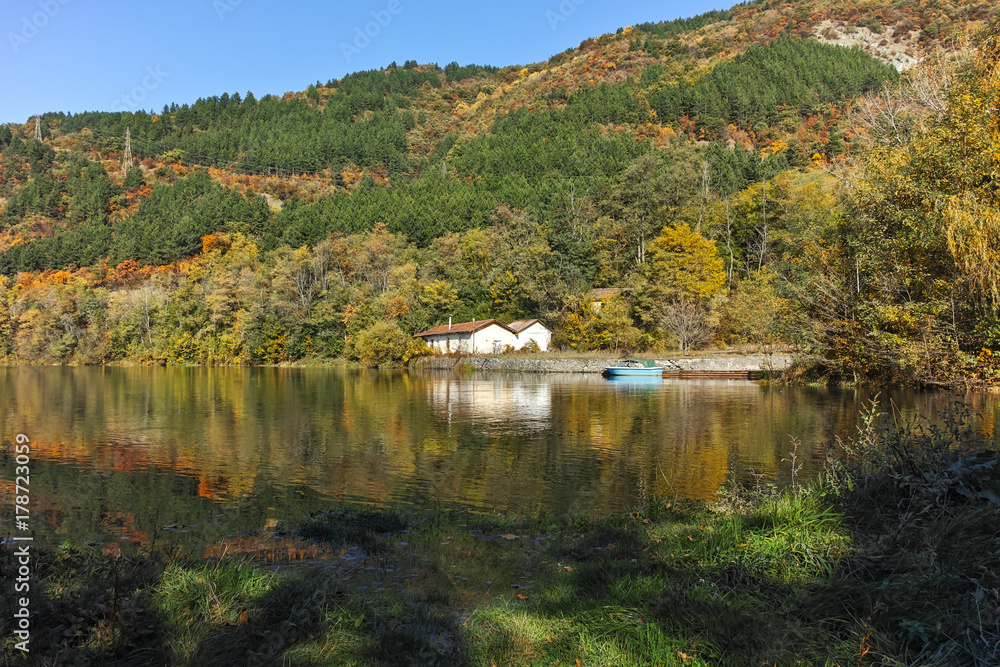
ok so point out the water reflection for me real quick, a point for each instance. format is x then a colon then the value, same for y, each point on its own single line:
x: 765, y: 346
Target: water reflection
x: 501, y: 404
x: 126, y: 452
x: 634, y: 383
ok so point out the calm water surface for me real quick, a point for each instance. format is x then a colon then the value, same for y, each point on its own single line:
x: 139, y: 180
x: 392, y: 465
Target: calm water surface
x: 193, y: 455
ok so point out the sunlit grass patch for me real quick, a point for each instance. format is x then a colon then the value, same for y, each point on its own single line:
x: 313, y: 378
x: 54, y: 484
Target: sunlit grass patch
x: 503, y: 635
x: 794, y: 538
x: 194, y: 600
x: 508, y: 634
x: 216, y: 593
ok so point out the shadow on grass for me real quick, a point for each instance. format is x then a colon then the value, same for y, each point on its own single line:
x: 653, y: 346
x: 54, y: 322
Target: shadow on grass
x: 623, y: 591
x: 715, y: 609
x: 766, y: 581
x: 86, y: 608
x: 308, y: 620
x: 320, y: 615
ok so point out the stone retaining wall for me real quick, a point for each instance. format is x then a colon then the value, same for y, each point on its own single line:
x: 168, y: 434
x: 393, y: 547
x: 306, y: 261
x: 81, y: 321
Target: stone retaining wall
x: 754, y: 362
x: 542, y: 365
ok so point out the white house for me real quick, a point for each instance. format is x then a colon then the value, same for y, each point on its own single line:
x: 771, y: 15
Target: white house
x: 476, y: 337
x: 486, y: 336
x: 531, y: 330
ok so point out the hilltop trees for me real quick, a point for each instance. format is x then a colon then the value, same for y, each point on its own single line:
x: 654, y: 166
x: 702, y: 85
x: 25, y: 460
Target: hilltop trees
x: 756, y: 88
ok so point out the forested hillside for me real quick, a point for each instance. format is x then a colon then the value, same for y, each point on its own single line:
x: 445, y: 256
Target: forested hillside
x: 744, y: 178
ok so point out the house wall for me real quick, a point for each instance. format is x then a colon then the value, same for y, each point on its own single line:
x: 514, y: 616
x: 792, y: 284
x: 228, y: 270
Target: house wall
x: 537, y: 333
x: 493, y: 339
x: 484, y: 341
x: 449, y: 343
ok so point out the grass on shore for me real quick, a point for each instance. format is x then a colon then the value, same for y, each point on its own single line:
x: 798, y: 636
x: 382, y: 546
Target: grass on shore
x: 892, y: 560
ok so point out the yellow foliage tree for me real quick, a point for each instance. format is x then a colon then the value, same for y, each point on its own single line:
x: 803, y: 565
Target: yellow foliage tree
x: 971, y: 133
x: 610, y: 328
x: 440, y: 297
x: 683, y: 263
x: 683, y: 273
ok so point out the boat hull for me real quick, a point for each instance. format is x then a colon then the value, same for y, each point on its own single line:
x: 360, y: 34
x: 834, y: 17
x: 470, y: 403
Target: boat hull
x: 629, y: 371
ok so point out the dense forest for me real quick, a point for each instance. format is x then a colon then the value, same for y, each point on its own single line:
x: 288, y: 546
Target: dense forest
x: 766, y: 175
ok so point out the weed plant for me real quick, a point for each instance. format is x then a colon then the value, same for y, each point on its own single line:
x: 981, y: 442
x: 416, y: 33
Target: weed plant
x: 923, y: 502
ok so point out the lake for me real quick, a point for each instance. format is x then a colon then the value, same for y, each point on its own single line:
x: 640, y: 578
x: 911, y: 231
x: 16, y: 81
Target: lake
x: 191, y: 455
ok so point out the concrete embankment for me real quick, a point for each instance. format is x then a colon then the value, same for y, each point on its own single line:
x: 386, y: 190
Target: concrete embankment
x: 750, y: 362
x: 539, y: 364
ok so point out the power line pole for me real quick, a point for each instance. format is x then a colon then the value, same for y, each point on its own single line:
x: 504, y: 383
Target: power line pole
x: 38, y: 128
x: 127, y: 157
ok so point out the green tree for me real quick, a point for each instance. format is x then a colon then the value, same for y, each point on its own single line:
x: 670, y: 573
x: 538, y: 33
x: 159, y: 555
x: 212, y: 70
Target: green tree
x: 755, y: 314
x: 651, y: 193
x: 384, y: 343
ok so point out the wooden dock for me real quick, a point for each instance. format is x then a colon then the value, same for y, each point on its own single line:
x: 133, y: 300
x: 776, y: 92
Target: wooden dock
x: 683, y: 374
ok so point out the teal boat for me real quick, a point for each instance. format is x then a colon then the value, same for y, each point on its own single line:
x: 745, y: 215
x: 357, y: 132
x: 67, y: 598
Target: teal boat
x: 635, y: 368
x: 635, y: 384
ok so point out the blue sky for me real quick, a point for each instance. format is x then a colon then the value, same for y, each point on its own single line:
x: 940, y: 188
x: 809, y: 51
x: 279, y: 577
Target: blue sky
x: 89, y: 55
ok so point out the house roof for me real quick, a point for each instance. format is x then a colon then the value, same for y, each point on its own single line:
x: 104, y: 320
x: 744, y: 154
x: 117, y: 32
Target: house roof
x: 461, y: 327
x: 520, y: 325
x: 601, y: 293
